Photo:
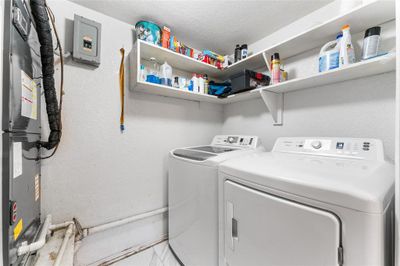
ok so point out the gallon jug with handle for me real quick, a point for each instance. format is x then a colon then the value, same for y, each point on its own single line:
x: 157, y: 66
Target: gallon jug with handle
x: 329, y: 55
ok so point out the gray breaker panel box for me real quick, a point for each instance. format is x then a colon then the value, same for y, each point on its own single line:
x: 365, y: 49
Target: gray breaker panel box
x: 87, y: 40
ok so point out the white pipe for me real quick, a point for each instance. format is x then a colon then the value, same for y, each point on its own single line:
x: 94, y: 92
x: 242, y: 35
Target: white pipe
x: 41, y: 241
x: 103, y: 227
x: 64, y: 243
x: 54, y: 227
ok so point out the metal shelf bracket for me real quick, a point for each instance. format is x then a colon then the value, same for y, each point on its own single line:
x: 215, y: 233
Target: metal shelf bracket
x: 274, y: 103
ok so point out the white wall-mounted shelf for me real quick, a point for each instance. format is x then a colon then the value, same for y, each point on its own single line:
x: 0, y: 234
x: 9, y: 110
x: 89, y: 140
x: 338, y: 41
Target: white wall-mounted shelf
x: 176, y: 60
x: 367, y: 68
x: 359, y: 19
x: 144, y: 51
x: 273, y: 95
x: 157, y: 89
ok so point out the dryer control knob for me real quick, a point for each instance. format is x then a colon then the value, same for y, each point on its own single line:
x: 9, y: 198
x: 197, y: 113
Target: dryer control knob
x: 316, y: 144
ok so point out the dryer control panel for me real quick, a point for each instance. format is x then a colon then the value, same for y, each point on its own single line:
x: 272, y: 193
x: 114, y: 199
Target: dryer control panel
x: 357, y: 148
x: 250, y: 142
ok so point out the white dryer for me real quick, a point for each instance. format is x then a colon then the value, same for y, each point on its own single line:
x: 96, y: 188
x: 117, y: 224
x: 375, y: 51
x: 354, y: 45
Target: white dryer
x: 311, y: 201
x: 193, y: 196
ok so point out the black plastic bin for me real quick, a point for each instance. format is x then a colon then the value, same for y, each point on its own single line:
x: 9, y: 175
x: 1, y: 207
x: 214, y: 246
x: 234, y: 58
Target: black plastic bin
x: 248, y: 80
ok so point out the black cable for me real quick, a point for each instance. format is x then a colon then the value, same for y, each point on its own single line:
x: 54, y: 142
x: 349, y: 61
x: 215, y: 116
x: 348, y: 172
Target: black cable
x: 41, y: 14
x: 59, y: 47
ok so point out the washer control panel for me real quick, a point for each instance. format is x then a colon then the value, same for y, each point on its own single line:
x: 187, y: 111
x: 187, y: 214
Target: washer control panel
x: 367, y: 149
x: 237, y: 141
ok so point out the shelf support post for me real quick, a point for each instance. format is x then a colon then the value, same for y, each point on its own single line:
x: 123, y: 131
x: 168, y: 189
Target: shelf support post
x: 274, y: 103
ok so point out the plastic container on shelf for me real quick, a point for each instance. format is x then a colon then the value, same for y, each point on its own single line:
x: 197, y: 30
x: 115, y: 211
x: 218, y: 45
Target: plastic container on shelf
x: 371, y: 42
x: 329, y: 55
x: 346, y: 55
x: 166, y: 74
x: 153, y: 74
x: 176, y: 82
x: 165, y: 36
x: 248, y: 80
x: 205, y: 77
x: 148, y: 31
x: 201, y: 83
x: 194, y: 84
x: 142, y: 74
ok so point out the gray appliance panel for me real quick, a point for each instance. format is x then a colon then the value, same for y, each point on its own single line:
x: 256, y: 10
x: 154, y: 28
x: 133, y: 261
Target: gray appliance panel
x: 19, y: 55
x: 22, y: 187
x: 193, y: 155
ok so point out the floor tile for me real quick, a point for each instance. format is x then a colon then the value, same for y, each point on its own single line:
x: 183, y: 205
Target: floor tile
x: 159, y: 255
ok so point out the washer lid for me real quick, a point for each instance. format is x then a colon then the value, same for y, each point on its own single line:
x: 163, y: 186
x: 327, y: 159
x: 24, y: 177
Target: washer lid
x: 214, y: 149
x: 362, y: 185
x: 202, y: 153
x: 193, y: 154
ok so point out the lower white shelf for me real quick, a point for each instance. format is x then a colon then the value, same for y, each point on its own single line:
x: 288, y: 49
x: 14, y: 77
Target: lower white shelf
x: 157, y: 89
x: 273, y: 94
x: 379, y: 65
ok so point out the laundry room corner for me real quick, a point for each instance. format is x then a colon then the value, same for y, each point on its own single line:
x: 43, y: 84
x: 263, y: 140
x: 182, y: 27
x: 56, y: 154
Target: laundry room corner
x: 363, y: 107
x: 200, y: 133
x: 107, y: 174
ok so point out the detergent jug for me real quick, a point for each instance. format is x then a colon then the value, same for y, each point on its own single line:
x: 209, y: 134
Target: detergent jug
x: 329, y: 55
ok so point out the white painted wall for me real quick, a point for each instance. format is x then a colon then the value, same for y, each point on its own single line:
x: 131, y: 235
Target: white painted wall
x: 358, y: 108
x: 98, y: 174
x: 397, y: 137
x: 325, y: 13
x: 1, y: 108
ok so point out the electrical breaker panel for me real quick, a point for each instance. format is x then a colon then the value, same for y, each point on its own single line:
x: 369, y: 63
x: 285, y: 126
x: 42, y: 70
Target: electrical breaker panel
x: 87, y: 41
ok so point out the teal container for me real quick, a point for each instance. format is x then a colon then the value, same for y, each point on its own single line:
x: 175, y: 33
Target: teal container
x: 148, y: 31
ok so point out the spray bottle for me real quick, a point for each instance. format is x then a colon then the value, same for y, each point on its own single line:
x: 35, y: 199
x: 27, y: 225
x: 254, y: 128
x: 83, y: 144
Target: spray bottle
x: 346, y: 56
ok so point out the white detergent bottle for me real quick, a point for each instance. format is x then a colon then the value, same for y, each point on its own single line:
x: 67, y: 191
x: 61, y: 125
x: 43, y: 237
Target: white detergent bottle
x: 166, y: 74
x: 346, y: 48
x: 329, y: 55
x: 201, y: 84
x: 194, y: 83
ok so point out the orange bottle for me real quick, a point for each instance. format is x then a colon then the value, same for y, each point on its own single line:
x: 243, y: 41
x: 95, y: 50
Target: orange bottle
x: 165, y: 35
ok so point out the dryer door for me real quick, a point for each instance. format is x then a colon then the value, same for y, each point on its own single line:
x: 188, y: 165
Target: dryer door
x: 262, y: 229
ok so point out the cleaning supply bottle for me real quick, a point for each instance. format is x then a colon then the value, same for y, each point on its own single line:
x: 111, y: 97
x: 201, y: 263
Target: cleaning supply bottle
x: 205, y: 83
x: 153, y: 74
x: 194, y: 84
x: 201, y: 84
x: 176, y: 82
x: 243, y: 51
x: 371, y: 42
x: 238, y: 53
x: 329, y: 55
x: 346, y: 56
x: 142, y: 74
x: 276, y: 68
x: 166, y: 74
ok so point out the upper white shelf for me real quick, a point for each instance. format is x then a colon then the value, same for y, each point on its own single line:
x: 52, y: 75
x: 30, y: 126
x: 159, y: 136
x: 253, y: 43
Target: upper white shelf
x: 359, y: 19
x: 176, y: 60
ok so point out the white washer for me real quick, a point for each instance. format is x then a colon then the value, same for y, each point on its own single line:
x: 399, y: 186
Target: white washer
x: 311, y: 201
x: 193, y: 196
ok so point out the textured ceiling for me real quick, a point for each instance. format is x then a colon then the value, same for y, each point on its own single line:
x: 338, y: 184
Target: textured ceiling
x: 214, y: 25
